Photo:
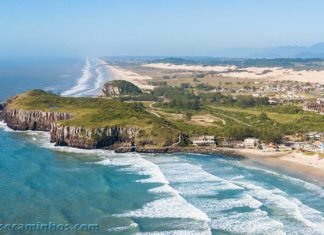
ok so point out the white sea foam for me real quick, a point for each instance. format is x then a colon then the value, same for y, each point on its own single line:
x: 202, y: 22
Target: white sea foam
x: 135, y: 163
x: 319, y: 191
x: 192, y: 181
x: 173, y: 206
x: 99, y: 79
x: 212, y: 206
x: 169, y: 207
x: 89, y: 84
x: 287, y: 213
x: 123, y: 228
x: 185, y: 172
x: 256, y: 222
x: 285, y: 208
x: 164, y: 189
x: 177, y: 232
x: 4, y: 126
x: 82, y: 83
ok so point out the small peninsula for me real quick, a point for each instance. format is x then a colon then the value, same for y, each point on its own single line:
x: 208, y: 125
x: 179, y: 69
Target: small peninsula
x: 88, y: 122
x: 119, y: 88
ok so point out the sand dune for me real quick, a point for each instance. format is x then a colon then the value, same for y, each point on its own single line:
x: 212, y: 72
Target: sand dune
x: 122, y: 74
x: 273, y: 73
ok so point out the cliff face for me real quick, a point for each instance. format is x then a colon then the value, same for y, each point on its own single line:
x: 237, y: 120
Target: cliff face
x: 119, y: 87
x: 110, y: 90
x: 32, y: 120
x: 61, y: 135
x: 91, y: 138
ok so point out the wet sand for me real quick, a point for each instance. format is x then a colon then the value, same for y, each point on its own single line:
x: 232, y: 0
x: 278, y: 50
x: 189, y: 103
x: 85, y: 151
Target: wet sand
x: 294, y: 163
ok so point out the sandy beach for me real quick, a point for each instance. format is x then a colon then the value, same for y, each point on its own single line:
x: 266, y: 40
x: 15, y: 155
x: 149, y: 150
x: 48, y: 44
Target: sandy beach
x: 294, y: 162
x: 122, y: 74
x: 271, y: 73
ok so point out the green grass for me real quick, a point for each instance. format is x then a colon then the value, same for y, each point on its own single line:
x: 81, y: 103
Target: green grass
x: 87, y: 112
x: 277, y: 117
x: 164, y: 130
x: 98, y: 113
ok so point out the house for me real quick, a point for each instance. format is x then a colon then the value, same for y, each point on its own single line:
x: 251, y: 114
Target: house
x: 313, y: 135
x: 232, y: 144
x: 250, y: 143
x: 203, y: 140
x: 315, y: 106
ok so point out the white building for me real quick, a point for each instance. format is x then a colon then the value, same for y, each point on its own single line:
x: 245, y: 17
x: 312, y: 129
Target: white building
x: 203, y: 140
x: 250, y: 143
x: 313, y: 135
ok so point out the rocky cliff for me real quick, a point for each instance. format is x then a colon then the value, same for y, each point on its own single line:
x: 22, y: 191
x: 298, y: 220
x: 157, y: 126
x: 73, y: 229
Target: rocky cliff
x: 81, y: 137
x: 18, y: 119
x: 119, y: 87
x: 63, y: 135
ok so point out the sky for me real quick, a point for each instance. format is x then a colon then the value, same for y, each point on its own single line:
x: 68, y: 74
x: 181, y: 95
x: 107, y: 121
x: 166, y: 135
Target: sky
x: 155, y: 27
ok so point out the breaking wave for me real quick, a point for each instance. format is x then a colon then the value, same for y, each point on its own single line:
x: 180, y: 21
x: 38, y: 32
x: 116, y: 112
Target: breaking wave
x: 93, y: 77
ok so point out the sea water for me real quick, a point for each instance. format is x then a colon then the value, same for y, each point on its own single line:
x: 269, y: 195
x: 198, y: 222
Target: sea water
x: 135, y: 193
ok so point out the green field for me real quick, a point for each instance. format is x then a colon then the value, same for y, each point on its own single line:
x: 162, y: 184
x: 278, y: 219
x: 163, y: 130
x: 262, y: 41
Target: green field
x: 99, y: 113
x: 277, y: 117
x: 161, y: 124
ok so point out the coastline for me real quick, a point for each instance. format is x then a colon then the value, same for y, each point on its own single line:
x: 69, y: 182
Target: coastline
x: 292, y: 162
x: 296, y: 163
x: 274, y: 160
x: 286, y: 162
x: 118, y: 73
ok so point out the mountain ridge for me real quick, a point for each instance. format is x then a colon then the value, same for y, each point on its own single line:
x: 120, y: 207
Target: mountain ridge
x: 313, y: 51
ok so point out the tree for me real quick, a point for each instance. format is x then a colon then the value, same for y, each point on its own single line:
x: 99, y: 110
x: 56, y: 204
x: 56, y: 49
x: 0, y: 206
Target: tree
x: 188, y: 115
x: 263, y: 116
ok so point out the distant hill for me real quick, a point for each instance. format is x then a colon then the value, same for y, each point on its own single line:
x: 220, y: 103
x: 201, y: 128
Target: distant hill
x: 119, y: 87
x: 296, y: 63
x: 315, y: 51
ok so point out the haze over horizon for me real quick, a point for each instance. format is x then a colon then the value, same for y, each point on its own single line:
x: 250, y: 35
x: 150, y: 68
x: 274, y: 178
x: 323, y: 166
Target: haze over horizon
x: 159, y: 28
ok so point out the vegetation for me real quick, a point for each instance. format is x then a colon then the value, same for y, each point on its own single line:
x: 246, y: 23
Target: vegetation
x: 178, y: 98
x: 176, y: 110
x: 125, y: 87
x: 313, y: 63
x: 99, y: 113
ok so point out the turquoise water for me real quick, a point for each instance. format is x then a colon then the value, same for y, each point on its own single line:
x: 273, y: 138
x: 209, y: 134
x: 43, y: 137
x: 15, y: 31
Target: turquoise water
x: 134, y: 193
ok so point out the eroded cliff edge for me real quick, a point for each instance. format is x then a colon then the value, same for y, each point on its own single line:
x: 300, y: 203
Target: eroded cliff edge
x: 63, y: 135
x: 86, y: 122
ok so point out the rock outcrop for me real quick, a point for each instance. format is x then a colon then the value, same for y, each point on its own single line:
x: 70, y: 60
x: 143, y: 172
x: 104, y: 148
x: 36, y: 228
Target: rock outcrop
x: 18, y: 119
x: 119, y: 88
x: 64, y: 135
x: 81, y: 137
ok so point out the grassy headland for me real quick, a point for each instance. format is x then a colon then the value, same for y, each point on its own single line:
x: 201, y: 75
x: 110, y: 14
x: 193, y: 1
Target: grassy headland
x: 99, y: 113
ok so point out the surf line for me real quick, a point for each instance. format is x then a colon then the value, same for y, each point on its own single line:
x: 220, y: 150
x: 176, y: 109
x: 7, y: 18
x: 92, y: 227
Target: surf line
x: 99, y: 79
x: 82, y: 83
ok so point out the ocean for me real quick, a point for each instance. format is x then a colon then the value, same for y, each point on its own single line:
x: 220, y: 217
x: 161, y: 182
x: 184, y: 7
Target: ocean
x: 137, y: 193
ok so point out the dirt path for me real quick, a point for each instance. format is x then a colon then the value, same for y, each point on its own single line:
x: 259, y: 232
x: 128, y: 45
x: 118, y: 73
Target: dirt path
x: 232, y: 118
x: 152, y: 108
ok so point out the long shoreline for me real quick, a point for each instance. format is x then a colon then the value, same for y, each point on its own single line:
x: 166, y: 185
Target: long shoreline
x: 285, y: 163
x: 282, y: 161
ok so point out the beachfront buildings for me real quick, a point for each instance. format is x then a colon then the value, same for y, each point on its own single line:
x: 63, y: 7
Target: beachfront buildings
x: 315, y: 106
x: 250, y: 143
x: 203, y: 140
x: 314, y: 136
